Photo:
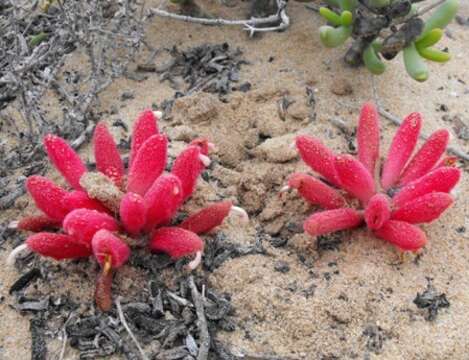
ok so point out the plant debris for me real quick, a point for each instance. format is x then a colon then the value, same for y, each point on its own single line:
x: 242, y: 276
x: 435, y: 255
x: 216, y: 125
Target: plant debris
x: 218, y: 250
x: 25, y: 279
x: 375, y: 338
x: 432, y: 300
x: 210, y: 68
x: 34, y: 45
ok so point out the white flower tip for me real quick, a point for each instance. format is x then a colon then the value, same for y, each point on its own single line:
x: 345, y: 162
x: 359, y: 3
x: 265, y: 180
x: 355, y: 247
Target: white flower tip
x: 285, y: 188
x: 211, y: 146
x: 14, y: 253
x: 195, y: 262
x: 238, y: 211
x: 13, y: 224
x: 158, y: 114
x: 455, y: 192
x: 292, y: 145
x: 205, y: 160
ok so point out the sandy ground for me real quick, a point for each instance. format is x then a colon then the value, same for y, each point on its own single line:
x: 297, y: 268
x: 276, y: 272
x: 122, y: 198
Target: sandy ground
x: 320, y: 308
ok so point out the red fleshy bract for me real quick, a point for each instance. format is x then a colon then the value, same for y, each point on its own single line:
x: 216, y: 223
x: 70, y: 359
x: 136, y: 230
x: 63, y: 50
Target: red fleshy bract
x: 37, y: 223
x: 105, y: 243
x: 378, y: 211
x: 354, y: 177
x: 324, y: 222
x: 65, y: 159
x: 187, y: 167
x: 57, y: 246
x: 442, y: 179
x: 426, y: 157
x: 423, y: 209
x: 108, y: 159
x: 148, y: 164
x: 82, y: 224
x: 315, y: 191
x: 368, y: 137
x: 145, y: 127
x: 176, y: 242
x: 401, y: 148
x: 318, y: 156
x: 405, y: 236
x: 133, y: 213
x: 80, y: 200
x: 162, y: 200
x: 207, y: 218
x: 47, y: 196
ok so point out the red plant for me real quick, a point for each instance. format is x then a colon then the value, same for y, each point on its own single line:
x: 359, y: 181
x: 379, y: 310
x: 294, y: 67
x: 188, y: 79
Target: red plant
x: 108, y: 212
x: 413, y: 192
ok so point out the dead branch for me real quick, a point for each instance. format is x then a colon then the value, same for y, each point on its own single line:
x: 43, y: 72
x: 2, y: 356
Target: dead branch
x: 250, y: 25
x: 198, y: 300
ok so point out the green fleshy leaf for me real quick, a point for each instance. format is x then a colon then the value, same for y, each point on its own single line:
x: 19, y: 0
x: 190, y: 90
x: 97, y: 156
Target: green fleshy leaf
x: 346, y: 18
x: 330, y: 16
x: 334, y: 3
x: 37, y: 39
x: 379, y: 3
x: 430, y: 38
x: 414, y: 63
x: 441, y: 17
x: 348, y: 5
x: 333, y: 37
x: 434, y: 55
x: 372, y: 61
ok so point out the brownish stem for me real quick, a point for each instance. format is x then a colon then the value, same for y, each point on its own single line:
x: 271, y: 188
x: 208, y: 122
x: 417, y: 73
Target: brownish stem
x: 103, y: 292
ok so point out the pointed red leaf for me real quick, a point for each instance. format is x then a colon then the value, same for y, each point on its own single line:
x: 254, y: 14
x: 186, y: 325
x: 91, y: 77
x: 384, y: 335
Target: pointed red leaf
x: 378, y: 211
x: 80, y: 200
x: 403, y: 235
x: 148, y: 164
x: 424, y: 209
x: 315, y: 191
x: 426, y: 157
x: 317, y: 156
x: 208, y: 218
x: 145, y: 127
x: 354, y: 177
x: 57, y: 246
x: 401, y: 148
x: 65, y: 159
x: 82, y: 224
x: 442, y: 179
x: 105, y: 243
x: 187, y: 167
x: 133, y: 213
x: 108, y: 159
x: 176, y: 242
x: 368, y: 137
x: 162, y: 200
x: 47, y: 196
x: 324, y: 222
x: 37, y: 223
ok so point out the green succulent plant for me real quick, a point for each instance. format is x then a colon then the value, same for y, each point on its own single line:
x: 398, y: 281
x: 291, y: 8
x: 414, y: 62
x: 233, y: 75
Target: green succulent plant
x: 416, y: 39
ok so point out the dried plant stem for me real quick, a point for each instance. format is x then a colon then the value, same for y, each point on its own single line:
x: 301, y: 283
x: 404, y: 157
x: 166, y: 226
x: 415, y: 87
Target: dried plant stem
x: 202, y: 321
x: 249, y: 24
x: 220, y: 21
x: 127, y: 328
